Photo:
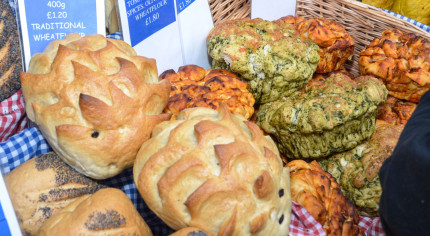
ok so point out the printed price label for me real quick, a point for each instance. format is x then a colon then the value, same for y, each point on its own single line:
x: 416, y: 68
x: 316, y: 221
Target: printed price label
x: 182, y: 4
x: 43, y: 21
x: 146, y: 17
x: 172, y: 32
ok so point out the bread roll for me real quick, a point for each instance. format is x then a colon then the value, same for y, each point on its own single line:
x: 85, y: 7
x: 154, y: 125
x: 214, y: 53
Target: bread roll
x: 193, y: 86
x: 42, y: 186
x: 94, y: 101
x: 215, y: 171
x: 106, y: 212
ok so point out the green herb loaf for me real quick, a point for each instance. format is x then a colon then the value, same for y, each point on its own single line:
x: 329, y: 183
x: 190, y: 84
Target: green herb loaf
x: 270, y: 56
x: 356, y: 170
x: 327, y: 116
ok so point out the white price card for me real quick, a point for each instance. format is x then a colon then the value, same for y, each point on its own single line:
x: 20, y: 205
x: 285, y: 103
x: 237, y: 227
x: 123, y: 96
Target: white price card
x: 8, y: 222
x: 272, y: 9
x: 171, y: 31
x: 151, y: 27
x: 43, y: 21
x: 195, y: 22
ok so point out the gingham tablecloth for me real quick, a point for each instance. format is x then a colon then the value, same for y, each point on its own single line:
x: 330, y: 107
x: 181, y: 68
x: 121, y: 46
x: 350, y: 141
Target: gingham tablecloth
x: 12, y: 116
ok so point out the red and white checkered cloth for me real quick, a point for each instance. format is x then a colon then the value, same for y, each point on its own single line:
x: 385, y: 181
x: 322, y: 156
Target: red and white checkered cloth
x: 303, y: 224
x: 371, y: 226
x: 12, y: 116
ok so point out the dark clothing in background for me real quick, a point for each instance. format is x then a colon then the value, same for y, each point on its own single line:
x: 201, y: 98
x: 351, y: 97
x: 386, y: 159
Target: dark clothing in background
x: 405, y: 178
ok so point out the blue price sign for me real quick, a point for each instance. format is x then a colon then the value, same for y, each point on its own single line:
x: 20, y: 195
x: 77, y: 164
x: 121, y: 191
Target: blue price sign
x: 43, y: 21
x: 53, y: 20
x: 182, y: 4
x: 149, y: 16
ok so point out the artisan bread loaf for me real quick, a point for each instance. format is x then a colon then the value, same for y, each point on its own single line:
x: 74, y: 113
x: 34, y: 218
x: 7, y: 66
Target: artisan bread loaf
x: 95, y: 101
x: 318, y: 192
x: 42, y: 186
x: 336, y: 46
x: 10, y: 52
x: 193, y: 86
x: 215, y: 171
x: 106, y: 212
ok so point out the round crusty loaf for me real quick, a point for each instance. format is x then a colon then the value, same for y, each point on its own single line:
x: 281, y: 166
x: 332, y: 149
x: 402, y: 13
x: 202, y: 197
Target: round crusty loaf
x: 336, y: 46
x: 193, y: 86
x: 401, y: 60
x: 10, y: 53
x: 43, y: 186
x: 95, y: 101
x: 107, y: 212
x: 215, y: 171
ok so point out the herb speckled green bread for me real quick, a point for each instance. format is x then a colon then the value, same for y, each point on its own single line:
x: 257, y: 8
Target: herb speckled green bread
x: 356, y: 170
x: 327, y: 116
x: 270, y: 56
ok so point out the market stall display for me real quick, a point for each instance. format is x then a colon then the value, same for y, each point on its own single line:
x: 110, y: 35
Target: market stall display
x: 226, y: 174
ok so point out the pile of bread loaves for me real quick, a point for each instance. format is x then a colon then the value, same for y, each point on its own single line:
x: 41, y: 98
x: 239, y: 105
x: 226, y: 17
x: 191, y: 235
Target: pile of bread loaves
x: 199, y: 160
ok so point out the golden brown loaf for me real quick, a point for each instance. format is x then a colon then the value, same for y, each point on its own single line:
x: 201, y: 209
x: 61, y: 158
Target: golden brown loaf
x: 42, y: 186
x: 396, y: 111
x: 193, y: 86
x: 318, y: 192
x: 336, y: 45
x: 215, y: 171
x: 106, y: 212
x: 95, y: 101
x: 10, y: 53
x: 402, y: 61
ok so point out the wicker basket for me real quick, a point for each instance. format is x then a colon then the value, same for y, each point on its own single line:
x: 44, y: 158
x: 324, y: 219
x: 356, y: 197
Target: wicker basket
x: 362, y: 21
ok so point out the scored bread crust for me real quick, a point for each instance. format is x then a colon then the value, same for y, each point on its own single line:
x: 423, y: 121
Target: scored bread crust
x: 401, y: 61
x: 10, y: 52
x: 336, y: 46
x: 215, y: 171
x: 107, y: 212
x: 193, y: 86
x: 95, y: 101
x: 42, y: 186
x: 319, y: 193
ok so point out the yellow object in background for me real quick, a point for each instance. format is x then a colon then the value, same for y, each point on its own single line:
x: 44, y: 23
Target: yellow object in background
x: 418, y: 10
x: 386, y: 4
